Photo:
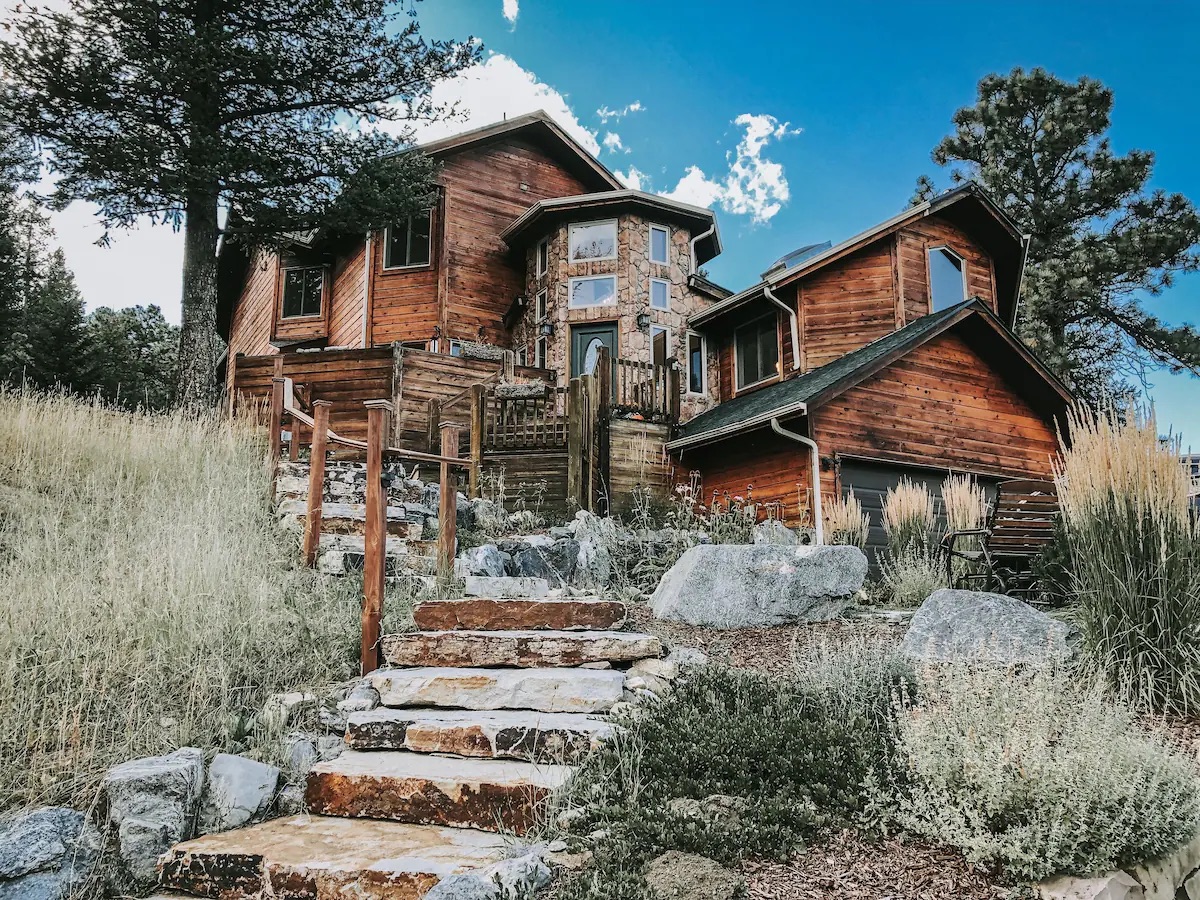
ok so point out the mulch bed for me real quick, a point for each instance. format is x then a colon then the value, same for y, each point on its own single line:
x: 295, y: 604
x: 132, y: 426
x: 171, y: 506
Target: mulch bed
x: 767, y: 650
x: 846, y: 867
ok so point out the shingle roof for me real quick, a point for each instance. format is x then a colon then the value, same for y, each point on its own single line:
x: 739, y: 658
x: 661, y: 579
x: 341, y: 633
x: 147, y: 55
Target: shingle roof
x: 822, y: 383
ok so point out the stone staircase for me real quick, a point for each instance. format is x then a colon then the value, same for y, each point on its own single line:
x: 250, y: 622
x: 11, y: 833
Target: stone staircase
x: 483, y: 714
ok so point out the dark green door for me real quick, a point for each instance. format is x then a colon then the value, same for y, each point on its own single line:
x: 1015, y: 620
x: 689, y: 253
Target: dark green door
x: 586, y: 341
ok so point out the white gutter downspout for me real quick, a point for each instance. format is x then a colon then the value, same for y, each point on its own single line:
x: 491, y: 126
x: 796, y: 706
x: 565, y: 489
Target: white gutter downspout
x: 692, y: 244
x: 816, y: 474
x: 795, y: 324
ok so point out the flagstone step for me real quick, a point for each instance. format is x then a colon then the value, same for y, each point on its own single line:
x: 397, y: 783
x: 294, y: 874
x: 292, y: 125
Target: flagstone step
x: 522, y: 649
x: 505, y: 587
x: 508, y: 734
x: 517, y: 614
x: 543, y: 690
x: 349, y: 518
x: 327, y: 858
x: 420, y: 789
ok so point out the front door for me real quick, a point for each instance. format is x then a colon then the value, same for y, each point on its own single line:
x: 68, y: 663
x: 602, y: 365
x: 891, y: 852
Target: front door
x: 586, y: 341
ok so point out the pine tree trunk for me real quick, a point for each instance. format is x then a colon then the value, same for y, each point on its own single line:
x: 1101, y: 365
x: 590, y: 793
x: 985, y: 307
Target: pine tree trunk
x: 199, y: 344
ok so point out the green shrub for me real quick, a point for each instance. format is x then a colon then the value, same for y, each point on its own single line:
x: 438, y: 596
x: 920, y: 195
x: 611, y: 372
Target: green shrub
x: 1136, y: 556
x: 911, y: 577
x: 1038, y: 775
x: 791, y: 758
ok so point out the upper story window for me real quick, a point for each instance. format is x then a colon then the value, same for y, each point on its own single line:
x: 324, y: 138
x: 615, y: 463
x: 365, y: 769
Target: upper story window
x: 660, y: 345
x: 697, y: 364
x: 947, y: 278
x: 543, y: 257
x: 597, y: 291
x: 303, y: 291
x: 406, y: 244
x: 756, y: 349
x: 660, y: 293
x: 659, y: 238
x: 539, y: 306
x: 593, y: 240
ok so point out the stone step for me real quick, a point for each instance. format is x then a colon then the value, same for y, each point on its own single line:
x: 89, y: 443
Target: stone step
x: 323, y: 858
x: 517, y: 614
x: 350, y: 518
x: 508, y: 734
x: 521, y: 649
x: 490, y: 794
x: 543, y: 690
x: 506, y: 587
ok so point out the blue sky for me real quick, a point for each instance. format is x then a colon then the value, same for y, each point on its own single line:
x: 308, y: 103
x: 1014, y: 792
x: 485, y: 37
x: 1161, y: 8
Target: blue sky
x: 799, y: 123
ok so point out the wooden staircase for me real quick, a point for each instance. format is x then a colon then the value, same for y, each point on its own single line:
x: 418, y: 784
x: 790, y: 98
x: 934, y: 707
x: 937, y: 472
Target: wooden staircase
x: 483, y: 715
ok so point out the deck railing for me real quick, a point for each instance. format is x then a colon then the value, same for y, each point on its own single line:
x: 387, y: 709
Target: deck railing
x: 647, y: 389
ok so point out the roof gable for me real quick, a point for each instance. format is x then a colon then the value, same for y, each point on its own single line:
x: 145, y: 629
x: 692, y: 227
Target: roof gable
x: 797, y: 396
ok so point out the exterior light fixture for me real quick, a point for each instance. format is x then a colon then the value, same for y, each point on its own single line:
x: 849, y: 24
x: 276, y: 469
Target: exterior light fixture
x: 643, y: 321
x: 546, y: 328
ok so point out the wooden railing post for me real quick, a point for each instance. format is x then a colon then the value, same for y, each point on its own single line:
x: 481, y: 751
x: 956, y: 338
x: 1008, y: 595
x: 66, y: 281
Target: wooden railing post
x: 478, y: 406
x: 231, y: 383
x: 316, y: 481
x: 435, y: 417
x: 575, y: 455
x: 673, y: 394
x: 375, y: 538
x: 275, y: 420
x: 448, y: 507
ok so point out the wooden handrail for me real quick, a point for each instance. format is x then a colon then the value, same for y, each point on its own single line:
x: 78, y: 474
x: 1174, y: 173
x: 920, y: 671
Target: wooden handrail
x: 466, y: 392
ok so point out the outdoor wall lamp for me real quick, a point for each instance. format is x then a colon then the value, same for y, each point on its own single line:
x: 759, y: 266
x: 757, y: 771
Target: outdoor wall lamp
x: 546, y: 328
x: 643, y: 321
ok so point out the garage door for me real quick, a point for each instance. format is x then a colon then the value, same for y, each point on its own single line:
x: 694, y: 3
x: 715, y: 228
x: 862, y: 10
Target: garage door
x: 870, y: 482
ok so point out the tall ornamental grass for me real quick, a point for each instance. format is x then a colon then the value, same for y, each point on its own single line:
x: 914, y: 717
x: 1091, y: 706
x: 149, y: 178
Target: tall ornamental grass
x: 1135, y: 556
x: 149, y: 600
x: 846, y: 523
x: 965, y: 502
x: 908, y: 517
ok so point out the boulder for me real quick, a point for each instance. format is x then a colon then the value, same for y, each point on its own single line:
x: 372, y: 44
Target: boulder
x: 749, y: 585
x: 487, y: 515
x: 775, y: 532
x: 593, y: 565
x: 486, y: 560
x: 554, y: 562
x: 151, y: 805
x: 1161, y: 878
x: 238, y: 791
x: 362, y: 697
x: 299, y: 754
x: 46, y: 854
x: 977, y: 627
x: 521, y: 876
x: 686, y: 876
x: 1114, y: 886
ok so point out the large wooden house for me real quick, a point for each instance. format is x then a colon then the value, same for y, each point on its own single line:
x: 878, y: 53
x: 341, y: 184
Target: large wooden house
x: 890, y: 354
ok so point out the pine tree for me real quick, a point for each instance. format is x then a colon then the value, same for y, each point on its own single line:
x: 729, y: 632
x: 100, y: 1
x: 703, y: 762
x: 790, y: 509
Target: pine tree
x: 133, y: 355
x: 266, y: 109
x: 1100, y: 239
x: 52, y: 321
x: 16, y: 165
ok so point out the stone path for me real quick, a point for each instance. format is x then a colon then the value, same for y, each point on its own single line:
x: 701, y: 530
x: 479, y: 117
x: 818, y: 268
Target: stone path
x: 483, y: 714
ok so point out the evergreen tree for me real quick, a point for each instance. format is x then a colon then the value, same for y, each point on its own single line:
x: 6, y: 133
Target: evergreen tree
x: 52, y: 321
x: 1101, y: 240
x: 133, y: 356
x: 16, y: 165
x: 175, y: 111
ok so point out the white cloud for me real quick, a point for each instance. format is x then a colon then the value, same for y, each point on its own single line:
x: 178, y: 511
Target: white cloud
x: 753, y: 186
x: 605, y: 112
x: 612, y: 141
x: 511, y: 8
x: 635, y: 178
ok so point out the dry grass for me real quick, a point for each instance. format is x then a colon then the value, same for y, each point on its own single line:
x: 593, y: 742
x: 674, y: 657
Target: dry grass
x: 845, y: 522
x: 908, y: 516
x: 149, y: 602
x: 965, y: 502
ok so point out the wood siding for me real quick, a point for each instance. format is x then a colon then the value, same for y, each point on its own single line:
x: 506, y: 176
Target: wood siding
x: 914, y: 243
x: 847, y: 305
x: 404, y: 302
x: 637, y: 459
x: 348, y: 300
x: 254, y: 314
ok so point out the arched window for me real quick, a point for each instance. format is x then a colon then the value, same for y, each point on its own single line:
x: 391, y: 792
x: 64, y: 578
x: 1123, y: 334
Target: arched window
x: 947, y: 278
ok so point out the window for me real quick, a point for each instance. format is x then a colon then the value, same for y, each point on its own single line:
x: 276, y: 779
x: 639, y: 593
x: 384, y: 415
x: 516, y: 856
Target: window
x: 593, y: 240
x: 302, y: 291
x: 660, y: 345
x: 414, y: 345
x: 660, y: 293
x: 697, y: 364
x: 947, y: 278
x: 407, y: 244
x: 539, y: 306
x: 659, y: 239
x: 756, y: 348
x: 456, y: 348
x: 543, y: 256
x: 540, y: 352
x: 598, y: 291
x: 523, y: 356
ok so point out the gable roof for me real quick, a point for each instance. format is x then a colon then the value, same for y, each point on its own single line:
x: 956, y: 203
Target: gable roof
x: 534, y: 222
x: 967, y: 203
x: 541, y: 130
x: 798, y: 396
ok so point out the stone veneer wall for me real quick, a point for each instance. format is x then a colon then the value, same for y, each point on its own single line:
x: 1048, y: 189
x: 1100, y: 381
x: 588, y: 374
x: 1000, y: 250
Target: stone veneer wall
x: 634, y: 271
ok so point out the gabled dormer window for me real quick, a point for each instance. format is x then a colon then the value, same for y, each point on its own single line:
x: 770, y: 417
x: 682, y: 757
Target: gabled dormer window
x: 303, y: 291
x: 593, y: 240
x: 406, y: 244
x: 947, y: 278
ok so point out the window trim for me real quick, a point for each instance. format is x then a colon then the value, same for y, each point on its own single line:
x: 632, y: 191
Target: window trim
x: 571, y: 292
x: 311, y: 317
x: 962, y: 268
x: 541, y: 349
x: 541, y: 257
x: 667, y: 283
x: 650, y: 245
x: 669, y: 350
x: 523, y: 355
x: 703, y: 392
x: 591, y: 259
x: 540, y: 307
x: 738, y: 388
x: 410, y: 267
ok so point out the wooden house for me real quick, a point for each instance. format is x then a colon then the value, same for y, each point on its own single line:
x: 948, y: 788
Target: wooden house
x: 891, y: 353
